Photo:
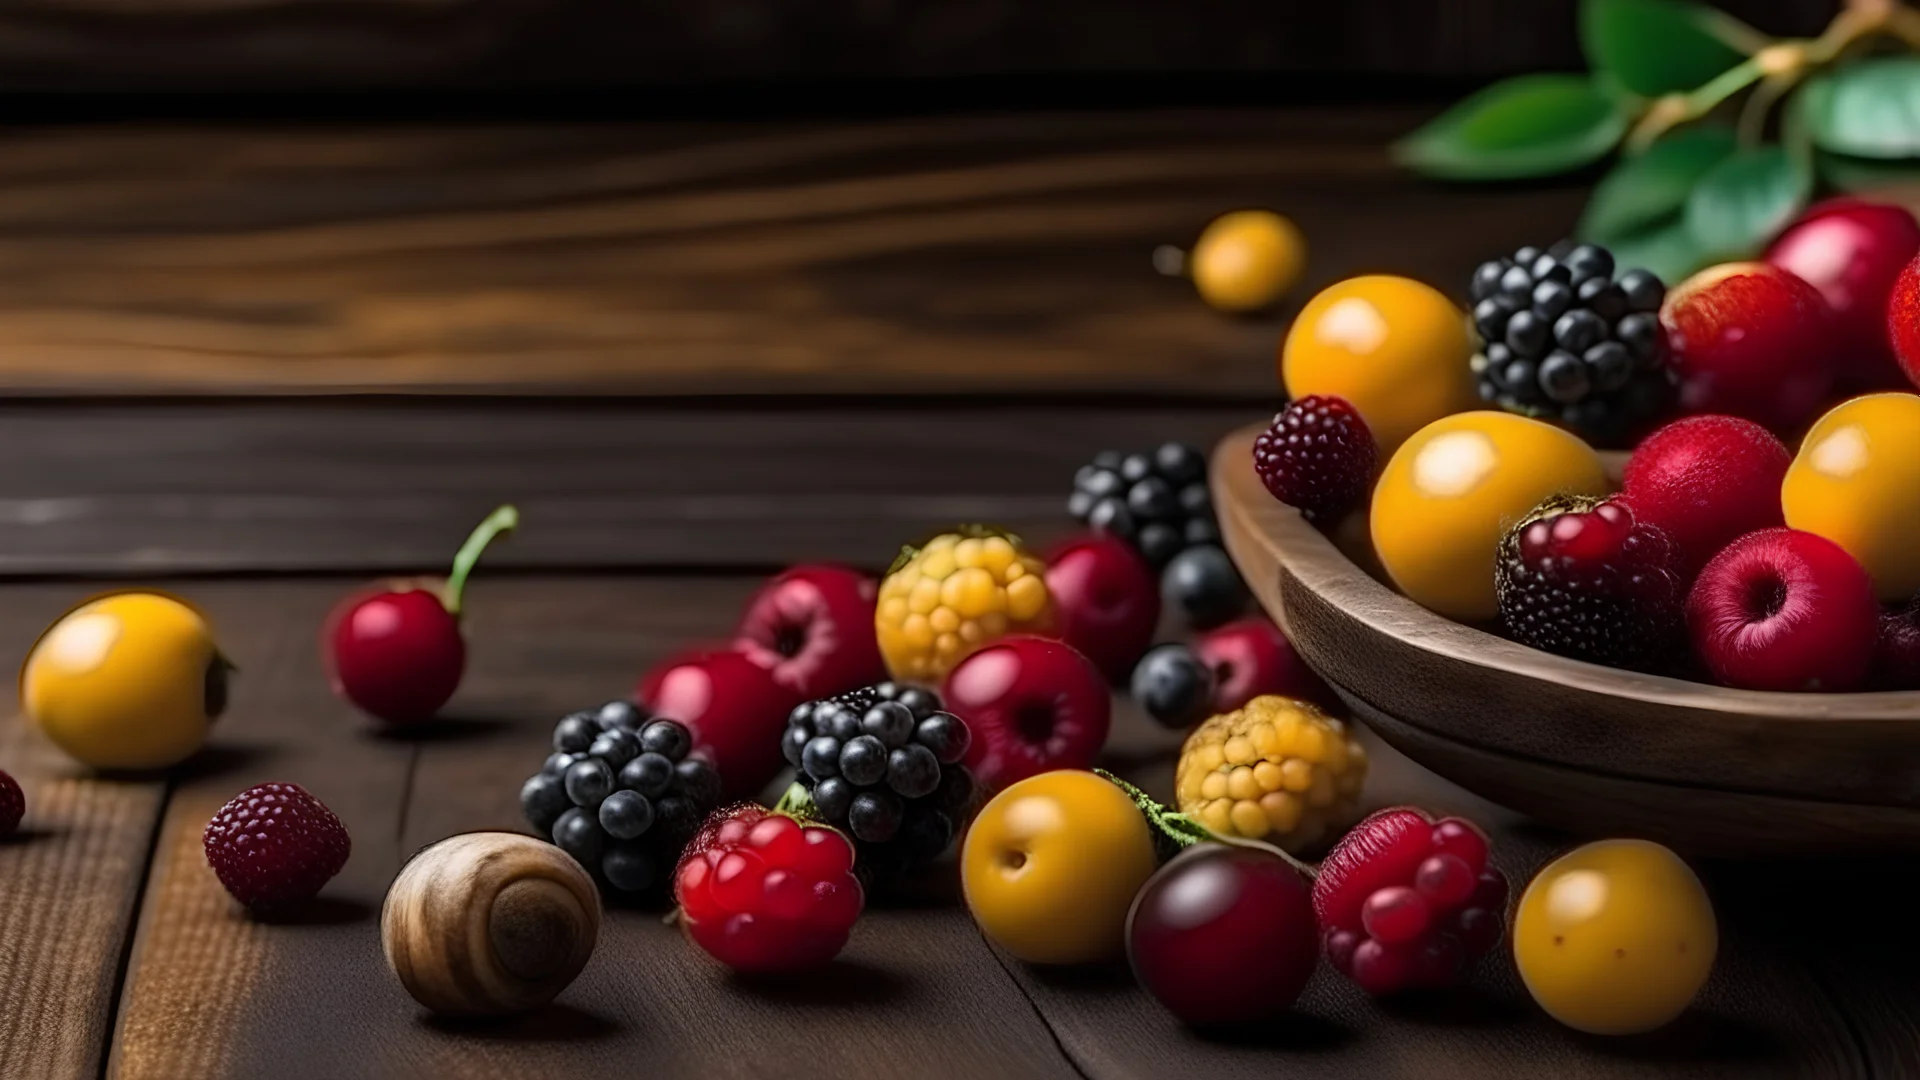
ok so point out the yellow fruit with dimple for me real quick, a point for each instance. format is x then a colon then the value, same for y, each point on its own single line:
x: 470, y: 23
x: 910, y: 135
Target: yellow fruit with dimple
x: 1615, y: 938
x: 1453, y: 490
x: 129, y: 681
x: 960, y: 593
x: 1396, y: 349
x: 1276, y: 769
x: 1856, y: 481
x: 1246, y: 260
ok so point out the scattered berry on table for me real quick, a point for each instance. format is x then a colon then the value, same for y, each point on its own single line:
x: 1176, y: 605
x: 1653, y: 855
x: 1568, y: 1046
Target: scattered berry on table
x: 1408, y: 902
x: 1173, y: 685
x: 274, y: 845
x: 1278, y: 770
x: 1580, y: 577
x: 883, y: 763
x: 1561, y: 339
x: 1203, y: 584
x: 13, y: 804
x: 956, y: 595
x: 625, y: 802
x: 1317, y: 456
x: 1157, y: 502
x: 1896, y: 656
x: 761, y: 892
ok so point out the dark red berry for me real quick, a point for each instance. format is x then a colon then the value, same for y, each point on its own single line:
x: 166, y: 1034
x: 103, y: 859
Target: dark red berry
x: 761, y: 892
x: 1896, y: 656
x: 13, y: 804
x: 1317, y: 455
x: 274, y: 845
x: 1579, y: 577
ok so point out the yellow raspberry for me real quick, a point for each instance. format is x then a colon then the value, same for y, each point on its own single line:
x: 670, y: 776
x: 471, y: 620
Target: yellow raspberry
x: 955, y: 595
x: 1277, y: 770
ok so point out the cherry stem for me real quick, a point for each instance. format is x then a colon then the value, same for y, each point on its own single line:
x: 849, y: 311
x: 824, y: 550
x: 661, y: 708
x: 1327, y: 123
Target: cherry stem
x: 1185, y: 831
x: 503, y: 520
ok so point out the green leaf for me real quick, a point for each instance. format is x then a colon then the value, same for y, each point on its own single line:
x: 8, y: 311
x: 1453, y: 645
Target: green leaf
x: 1867, y: 175
x: 1869, y: 110
x: 1533, y: 125
x: 1643, y: 190
x: 1667, y: 249
x: 1741, y: 202
x: 1655, y: 47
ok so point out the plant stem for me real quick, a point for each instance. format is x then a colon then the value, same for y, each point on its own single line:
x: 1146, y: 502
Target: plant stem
x: 503, y: 520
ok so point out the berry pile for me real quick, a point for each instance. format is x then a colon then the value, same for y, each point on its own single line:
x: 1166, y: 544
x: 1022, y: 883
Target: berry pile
x: 1317, y: 455
x: 620, y: 793
x: 1581, y: 577
x: 883, y: 763
x: 1561, y: 339
x: 1159, y: 504
x: 274, y: 845
x: 1406, y: 902
x: 760, y: 892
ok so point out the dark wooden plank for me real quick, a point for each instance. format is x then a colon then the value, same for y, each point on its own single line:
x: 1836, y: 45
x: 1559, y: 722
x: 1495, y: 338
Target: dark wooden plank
x: 213, y: 994
x: 68, y: 882
x: 229, y: 44
x: 970, y: 254
x: 145, y: 489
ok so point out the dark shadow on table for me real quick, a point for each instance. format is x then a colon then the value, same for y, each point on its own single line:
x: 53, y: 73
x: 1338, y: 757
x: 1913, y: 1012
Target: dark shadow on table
x: 841, y: 984
x: 24, y: 836
x: 1288, y: 1031
x: 1460, y: 1007
x: 319, y: 911
x: 216, y: 759
x: 443, y: 729
x: 554, y: 1023
x: 1696, y: 1036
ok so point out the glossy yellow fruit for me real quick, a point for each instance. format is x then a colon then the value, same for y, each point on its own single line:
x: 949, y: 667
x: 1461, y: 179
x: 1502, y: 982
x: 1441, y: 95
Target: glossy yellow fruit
x: 1615, y: 938
x: 1856, y: 481
x: 1051, y: 865
x: 955, y: 596
x: 1394, y: 348
x: 1451, y: 492
x: 1247, y: 260
x: 1277, y: 770
x: 129, y: 681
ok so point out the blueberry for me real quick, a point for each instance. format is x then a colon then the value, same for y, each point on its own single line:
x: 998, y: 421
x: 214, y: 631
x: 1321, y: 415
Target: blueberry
x: 890, y: 722
x: 1486, y: 279
x: 588, y: 781
x: 1111, y: 516
x: 666, y: 738
x: 1580, y: 330
x: 1490, y: 318
x: 1611, y: 365
x: 1526, y: 333
x: 557, y: 763
x: 945, y: 735
x: 1200, y: 531
x: 543, y: 799
x: 1099, y: 483
x: 1564, y: 378
x: 924, y: 703
x: 1604, y: 298
x: 626, y: 815
x: 793, y: 742
x: 863, y: 761
x: 833, y: 797
x: 1640, y: 333
x: 1644, y: 290
x: 821, y: 757
x: 1173, y: 686
x: 1108, y: 459
x: 1179, y: 462
x: 874, y: 816
x: 802, y: 715
x: 1516, y: 284
x: 1159, y: 542
x: 616, y: 747
x: 1202, y: 584
x: 1152, y: 499
x: 623, y: 715
x: 697, y: 780
x: 1548, y: 268
x: 629, y: 867
x: 1196, y: 499
x: 1551, y: 299
x: 1591, y: 261
x: 1079, y: 505
x: 579, y: 835
x: 649, y: 774
x: 675, y: 818
x: 913, y: 771
x: 575, y: 733
x: 1135, y: 468
x: 956, y: 789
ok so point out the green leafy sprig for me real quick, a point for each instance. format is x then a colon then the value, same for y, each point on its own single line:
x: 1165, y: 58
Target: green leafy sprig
x: 1723, y: 133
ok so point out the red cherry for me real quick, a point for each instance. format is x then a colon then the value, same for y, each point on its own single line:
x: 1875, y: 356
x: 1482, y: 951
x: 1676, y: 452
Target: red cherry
x: 1751, y: 340
x: 1032, y: 705
x: 397, y: 654
x: 812, y: 627
x: 1853, y: 251
x: 734, y: 708
x: 1782, y: 609
x: 1106, y: 601
x: 1251, y: 657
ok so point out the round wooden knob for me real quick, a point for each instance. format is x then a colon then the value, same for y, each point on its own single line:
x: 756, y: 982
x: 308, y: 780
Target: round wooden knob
x: 489, y: 923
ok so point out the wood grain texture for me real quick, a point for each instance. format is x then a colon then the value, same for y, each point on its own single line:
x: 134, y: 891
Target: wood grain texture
x: 1831, y: 771
x: 943, y: 254
x: 69, y: 881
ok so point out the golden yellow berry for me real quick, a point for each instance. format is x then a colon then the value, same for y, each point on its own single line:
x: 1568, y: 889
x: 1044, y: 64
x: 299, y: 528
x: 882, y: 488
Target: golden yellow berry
x: 955, y: 596
x: 1246, y: 260
x: 1278, y: 770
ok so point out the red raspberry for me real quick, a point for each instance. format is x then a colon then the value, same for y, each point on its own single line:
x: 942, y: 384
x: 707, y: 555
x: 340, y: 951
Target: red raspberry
x: 1405, y: 901
x: 761, y: 892
x: 1317, y: 455
x: 274, y: 845
x: 1896, y: 656
x: 13, y: 804
x: 1581, y: 577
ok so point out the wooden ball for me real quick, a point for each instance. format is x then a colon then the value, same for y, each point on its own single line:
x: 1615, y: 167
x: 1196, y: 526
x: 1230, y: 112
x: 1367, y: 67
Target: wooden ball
x: 489, y: 923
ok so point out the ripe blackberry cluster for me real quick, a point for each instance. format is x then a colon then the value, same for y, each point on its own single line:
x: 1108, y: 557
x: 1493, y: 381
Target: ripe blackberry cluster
x: 1562, y: 340
x: 883, y: 763
x: 1317, y: 455
x: 1580, y: 577
x: 1157, y: 502
x: 620, y: 794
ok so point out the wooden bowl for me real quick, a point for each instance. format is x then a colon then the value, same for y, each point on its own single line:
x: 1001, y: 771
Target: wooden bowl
x: 1581, y: 747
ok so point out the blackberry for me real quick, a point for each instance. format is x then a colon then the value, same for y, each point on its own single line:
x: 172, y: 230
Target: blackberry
x: 1581, y: 577
x: 883, y: 763
x: 1158, y: 502
x: 620, y: 793
x: 1563, y: 339
x: 1317, y: 455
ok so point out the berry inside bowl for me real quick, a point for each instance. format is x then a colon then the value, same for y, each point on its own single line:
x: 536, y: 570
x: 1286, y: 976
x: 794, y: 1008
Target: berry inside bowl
x: 1590, y: 749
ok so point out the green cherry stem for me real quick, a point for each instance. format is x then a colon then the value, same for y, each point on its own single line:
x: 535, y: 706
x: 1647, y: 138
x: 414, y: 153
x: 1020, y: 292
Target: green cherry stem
x: 1184, y: 831
x: 503, y: 520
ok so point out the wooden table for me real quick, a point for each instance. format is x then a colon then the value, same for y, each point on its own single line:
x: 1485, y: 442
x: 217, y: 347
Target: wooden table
x: 691, y: 353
